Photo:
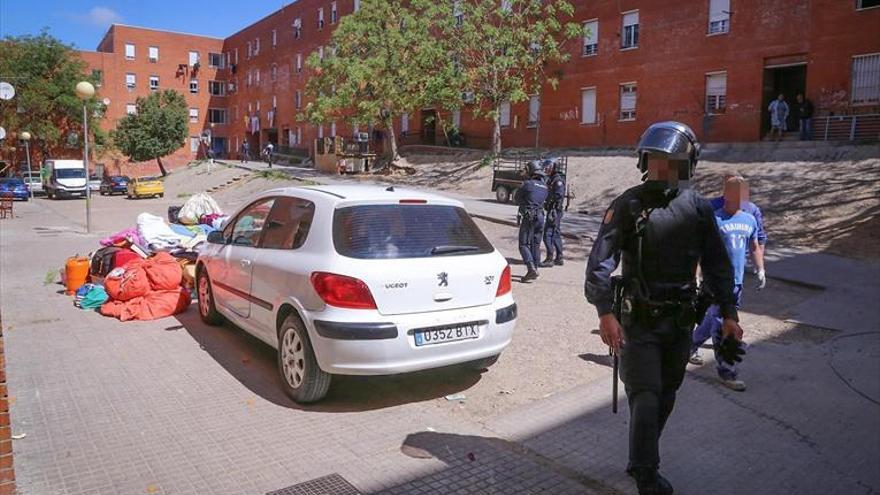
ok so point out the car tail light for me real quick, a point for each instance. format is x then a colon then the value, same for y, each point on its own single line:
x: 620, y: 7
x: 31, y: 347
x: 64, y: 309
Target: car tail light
x: 342, y: 291
x: 504, y: 282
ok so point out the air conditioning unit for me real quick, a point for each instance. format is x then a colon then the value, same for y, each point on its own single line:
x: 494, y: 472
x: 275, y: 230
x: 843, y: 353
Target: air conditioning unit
x: 467, y: 96
x: 231, y: 87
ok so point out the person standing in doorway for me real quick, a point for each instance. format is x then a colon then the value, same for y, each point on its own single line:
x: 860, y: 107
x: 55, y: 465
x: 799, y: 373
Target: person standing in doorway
x: 804, y: 111
x: 778, y: 116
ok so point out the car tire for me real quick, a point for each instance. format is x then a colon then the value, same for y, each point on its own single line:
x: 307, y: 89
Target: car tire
x: 484, y: 363
x: 207, y: 309
x: 162, y: 195
x: 502, y: 194
x: 301, y: 377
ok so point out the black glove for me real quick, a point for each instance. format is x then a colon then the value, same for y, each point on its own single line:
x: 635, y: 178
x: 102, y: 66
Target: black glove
x: 730, y: 350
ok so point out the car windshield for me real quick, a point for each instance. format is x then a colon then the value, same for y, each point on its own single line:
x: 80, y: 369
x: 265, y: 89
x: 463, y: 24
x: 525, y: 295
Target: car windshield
x: 147, y: 179
x: 406, y: 231
x: 119, y: 179
x: 12, y: 181
x: 70, y: 173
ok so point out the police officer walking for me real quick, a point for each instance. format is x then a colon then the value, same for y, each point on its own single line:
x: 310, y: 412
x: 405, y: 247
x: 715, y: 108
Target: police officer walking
x: 530, y: 198
x: 554, y: 207
x: 662, y: 229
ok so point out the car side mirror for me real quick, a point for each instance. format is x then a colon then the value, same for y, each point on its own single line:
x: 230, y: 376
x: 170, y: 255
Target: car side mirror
x: 216, y: 237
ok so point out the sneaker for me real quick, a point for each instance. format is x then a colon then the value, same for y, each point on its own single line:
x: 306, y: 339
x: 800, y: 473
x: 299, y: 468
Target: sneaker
x: 733, y: 384
x: 546, y: 264
x: 695, y: 358
x: 532, y: 274
x: 559, y: 262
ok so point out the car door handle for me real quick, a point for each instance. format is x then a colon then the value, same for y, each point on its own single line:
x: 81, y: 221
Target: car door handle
x: 245, y: 262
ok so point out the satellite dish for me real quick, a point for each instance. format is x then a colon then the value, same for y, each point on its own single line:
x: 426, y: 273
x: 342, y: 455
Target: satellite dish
x: 106, y: 102
x: 2, y: 133
x: 6, y: 91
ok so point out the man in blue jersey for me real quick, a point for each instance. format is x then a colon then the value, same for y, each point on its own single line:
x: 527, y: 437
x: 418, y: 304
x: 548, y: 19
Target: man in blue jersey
x: 739, y: 231
x: 755, y: 211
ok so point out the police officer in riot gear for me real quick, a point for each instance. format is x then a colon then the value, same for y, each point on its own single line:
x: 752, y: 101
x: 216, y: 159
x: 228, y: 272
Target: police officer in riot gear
x: 661, y: 229
x: 554, y: 207
x: 530, y: 198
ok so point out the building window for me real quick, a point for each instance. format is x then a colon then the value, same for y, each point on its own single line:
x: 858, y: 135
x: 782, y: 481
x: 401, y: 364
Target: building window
x: 404, y: 123
x: 273, y: 73
x: 357, y: 5
x: 321, y: 18
x: 866, y: 79
x: 716, y: 93
x: 217, y: 60
x: 274, y: 38
x: 154, y: 54
x: 250, y: 50
x: 130, y: 81
x: 249, y: 78
x: 129, y: 51
x: 534, y: 110
x: 719, y: 16
x: 154, y: 83
x: 588, y: 106
x: 628, y: 101
x: 591, y: 38
x: 334, y: 16
x: 193, y: 58
x: 297, y: 28
x: 216, y: 115
x: 297, y: 99
x: 457, y: 13
x: 236, y: 55
x: 506, y: 6
x: 867, y: 4
x: 332, y: 129
x: 256, y: 46
x: 456, y: 119
x: 630, y: 37
x: 321, y: 131
x: 194, y: 115
x: 257, y: 77
x: 193, y: 86
x: 504, y: 114
x: 194, y: 144
x: 98, y: 77
x: 131, y: 109
x: 217, y: 88
x: 258, y: 105
x: 299, y: 63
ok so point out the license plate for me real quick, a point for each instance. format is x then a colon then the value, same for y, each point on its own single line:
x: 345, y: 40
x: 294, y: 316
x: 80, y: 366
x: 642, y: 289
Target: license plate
x: 441, y: 335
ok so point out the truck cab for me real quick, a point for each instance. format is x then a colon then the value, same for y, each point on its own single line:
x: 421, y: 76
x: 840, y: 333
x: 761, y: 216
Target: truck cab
x: 65, y: 179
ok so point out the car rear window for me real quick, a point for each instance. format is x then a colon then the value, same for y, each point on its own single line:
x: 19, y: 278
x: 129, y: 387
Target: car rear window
x: 398, y: 231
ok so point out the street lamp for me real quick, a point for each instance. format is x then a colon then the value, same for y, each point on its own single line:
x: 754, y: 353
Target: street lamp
x: 26, y: 137
x: 84, y: 91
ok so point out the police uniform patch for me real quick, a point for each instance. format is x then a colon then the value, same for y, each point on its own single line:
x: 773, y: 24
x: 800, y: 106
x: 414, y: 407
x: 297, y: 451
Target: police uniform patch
x: 609, y: 214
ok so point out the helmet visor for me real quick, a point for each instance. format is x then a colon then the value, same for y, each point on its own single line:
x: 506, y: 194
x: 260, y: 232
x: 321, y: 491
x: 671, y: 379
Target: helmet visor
x: 666, y: 141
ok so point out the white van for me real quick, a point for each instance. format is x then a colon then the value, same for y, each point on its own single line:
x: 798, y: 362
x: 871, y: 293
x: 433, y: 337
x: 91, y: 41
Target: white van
x: 65, y: 178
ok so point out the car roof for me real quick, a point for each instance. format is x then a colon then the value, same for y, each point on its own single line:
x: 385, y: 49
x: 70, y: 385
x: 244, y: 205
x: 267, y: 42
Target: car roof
x: 360, y: 192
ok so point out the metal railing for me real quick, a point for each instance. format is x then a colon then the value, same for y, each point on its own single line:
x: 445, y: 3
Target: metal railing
x: 847, y: 127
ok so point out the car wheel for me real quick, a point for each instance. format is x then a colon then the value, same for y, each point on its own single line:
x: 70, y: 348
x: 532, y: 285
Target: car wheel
x: 502, y: 194
x: 207, y: 309
x: 162, y: 195
x: 301, y: 377
x: 482, y: 364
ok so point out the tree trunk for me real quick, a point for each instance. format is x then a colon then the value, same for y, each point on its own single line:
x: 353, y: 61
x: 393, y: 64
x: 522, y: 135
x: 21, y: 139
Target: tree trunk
x: 443, y: 128
x: 392, y: 140
x: 496, y: 133
x: 161, y: 167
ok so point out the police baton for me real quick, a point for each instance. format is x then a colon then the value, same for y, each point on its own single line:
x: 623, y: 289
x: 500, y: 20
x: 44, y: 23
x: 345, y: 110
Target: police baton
x: 615, y: 361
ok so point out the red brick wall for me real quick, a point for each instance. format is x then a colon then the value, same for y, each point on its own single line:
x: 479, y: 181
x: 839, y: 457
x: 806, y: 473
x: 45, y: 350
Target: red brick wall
x: 7, y: 472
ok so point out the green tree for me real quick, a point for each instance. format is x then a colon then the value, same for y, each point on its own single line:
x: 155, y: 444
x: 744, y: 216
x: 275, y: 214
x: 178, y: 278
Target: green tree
x: 159, y: 128
x: 44, y: 72
x: 505, y: 49
x: 384, y: 62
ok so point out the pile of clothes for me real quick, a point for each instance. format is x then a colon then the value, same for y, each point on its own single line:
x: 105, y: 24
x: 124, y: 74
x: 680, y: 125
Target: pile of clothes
x: 148, y: 271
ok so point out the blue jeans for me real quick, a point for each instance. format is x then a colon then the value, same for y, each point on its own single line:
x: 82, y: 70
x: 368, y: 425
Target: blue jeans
x: 806, y: 129
x: 711, y: 327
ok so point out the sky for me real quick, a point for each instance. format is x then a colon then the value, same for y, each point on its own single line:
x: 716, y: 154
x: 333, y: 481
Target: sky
x: 83, y: 23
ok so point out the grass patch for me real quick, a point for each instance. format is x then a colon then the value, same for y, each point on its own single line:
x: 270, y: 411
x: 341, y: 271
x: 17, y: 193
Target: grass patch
x: 272, y: 175
x: 309, y: 182
x: 51, y: 277
x: 184, y: 195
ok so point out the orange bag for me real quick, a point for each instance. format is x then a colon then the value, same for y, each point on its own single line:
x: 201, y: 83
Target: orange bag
x: 155, y: 305
x: 133, y: 282
x: 163, y: 271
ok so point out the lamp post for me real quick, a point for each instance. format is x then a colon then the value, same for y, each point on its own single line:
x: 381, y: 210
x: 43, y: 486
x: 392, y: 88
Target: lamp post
x: 26, y: 137
x: 84, y: 91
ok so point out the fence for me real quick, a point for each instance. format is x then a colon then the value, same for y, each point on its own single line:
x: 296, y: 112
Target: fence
x: 847, y: 127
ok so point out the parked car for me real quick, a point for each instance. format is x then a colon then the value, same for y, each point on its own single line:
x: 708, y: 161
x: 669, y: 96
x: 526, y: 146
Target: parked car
x: 15, y: 187
x: 114, y: 184
x: 65, y: 178
x: 94, y: 183
x: 34, y: 181
x: 143, y: 187
x: 358, y: 280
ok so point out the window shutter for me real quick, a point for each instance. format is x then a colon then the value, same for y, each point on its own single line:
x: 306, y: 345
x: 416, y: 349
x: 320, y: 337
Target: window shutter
x: 588, y: 106
x: 719, y: 10
x: 630, y: 19
x: 716, y: 84
x: 866, y: 79
x: 628, y: 98
x: 504, y: 112
x: 591, y: 33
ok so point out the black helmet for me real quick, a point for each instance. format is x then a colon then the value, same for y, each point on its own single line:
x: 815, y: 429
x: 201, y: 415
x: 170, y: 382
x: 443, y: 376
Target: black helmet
x: 672, y: 140
x: 536, y: 167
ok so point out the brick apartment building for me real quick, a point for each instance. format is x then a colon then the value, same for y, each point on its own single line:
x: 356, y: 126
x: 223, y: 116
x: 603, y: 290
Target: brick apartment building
x: 713, y: 64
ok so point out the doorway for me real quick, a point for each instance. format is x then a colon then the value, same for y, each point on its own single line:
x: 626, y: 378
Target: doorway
x: 788, y: 80
x: 429, y: 126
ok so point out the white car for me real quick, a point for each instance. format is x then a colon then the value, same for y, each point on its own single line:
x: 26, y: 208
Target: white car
x: 358, y: 280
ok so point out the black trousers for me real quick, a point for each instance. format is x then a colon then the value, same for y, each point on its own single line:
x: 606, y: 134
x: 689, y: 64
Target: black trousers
x: 652, y: 366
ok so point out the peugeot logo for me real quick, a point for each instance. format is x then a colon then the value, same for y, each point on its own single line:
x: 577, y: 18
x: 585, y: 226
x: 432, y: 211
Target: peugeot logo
x: 443, y: 277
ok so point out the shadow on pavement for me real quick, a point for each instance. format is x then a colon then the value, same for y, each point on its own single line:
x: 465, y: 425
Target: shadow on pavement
x: 253, y: 364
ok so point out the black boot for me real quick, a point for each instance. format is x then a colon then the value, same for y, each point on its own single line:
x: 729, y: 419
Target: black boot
x: 649, y: 481
x: 547, y: 263
x: 530, y: 275
x: 559, y: 261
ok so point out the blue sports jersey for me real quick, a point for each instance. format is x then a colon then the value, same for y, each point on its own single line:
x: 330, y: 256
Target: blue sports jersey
x: 750, y: 208
x: 738, y: 232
